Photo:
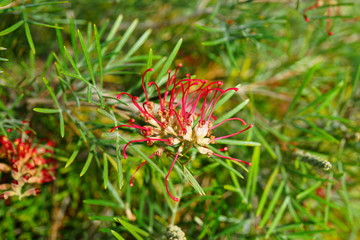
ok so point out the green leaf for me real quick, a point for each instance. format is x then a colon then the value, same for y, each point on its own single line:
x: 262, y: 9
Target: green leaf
x: 135, y: 231
x: 100, y: 60
x: 193, y: 181
x: 117, y: 235
x: 310, y: 234
x: 304, y: 193
x: 11, y: 28
x: 253, y: 174
x: 75, y: 153
x: 215, y: 42
x: 105, y: 171
x: 122, y: 42
x: 272, y: 204
x: 3, y: 3
x: 72, y: 62
x: 44, y: 24
x: 87, y: 57
x: 52, y: 94
x: 266, y: 191
x: 302, y: 210
x: 73, y: 37
x: 278, y: 216
x: 321, y: 133
x: 238, y: 143
x: 62, y: 124
x: 137, y: 45
x: 323, y: 99
x: 101, y: 202
x: 345, y: 194
x: 226, y: 97
x: 116, y: 196
x: 102, y: 218
x: 232, y: 112
x: 115, y: 27
x: 87, y: 163
x: 46, y: 110
x: 263, y: 141
x: 301, y: 88
x: 168, y: 63
x: 209, y: 29
x: 29, y: 38
x: 149, y: 65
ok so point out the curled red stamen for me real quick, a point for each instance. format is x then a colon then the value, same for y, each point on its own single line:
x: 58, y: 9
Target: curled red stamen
x: 229, y: 119
x: 167, y: 178
x: 141, y: 140
x: 132, y: 126
x: 138, y: 168
x: 230, y: 135
x: 143, y: 83
x: 234, y: 159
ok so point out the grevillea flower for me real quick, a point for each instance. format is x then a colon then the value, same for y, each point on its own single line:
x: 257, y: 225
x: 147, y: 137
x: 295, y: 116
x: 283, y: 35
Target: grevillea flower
x: 333, y: 9
x: 27, y: 163
x: 181, y: 118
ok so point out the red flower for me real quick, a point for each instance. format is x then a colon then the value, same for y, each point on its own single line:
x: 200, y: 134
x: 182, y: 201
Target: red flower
x: 182, y: 118
x: 27, y: 162
x: 333, y: 9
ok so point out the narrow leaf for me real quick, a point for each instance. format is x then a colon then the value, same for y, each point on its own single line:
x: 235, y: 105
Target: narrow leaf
x: 101, y: 202
x: 115, y: 234
x: 272, y: 204
x: 238, y: 143
x: 62, y: 124
x: 301, y: 88
x: 322, y: 100
x: 168, y: 62
x: 232, y: 112
x: 100, y: 60
x: 87, y: 56
x: 87, y: 164
x: 135, y: 231
x: 75, y: 153
x: 266, y: 191
x: 137, y: 44
x: 278, y: 216
x: 215, y: 42
x: 105, y: 171
x: 46, y: 110
x: 29, y: 38
x: 253, y: 174
x: 193, y: 181
x: 122, y: 42
x: 11, y: 28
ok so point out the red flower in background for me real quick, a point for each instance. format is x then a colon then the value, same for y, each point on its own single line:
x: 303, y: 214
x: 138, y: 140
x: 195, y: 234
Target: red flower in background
x: 182, y: 118
x: 27, y: 162
x: 332, y: 10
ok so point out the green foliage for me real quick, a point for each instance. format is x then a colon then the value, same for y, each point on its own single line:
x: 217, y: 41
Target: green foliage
x: 63, y: 64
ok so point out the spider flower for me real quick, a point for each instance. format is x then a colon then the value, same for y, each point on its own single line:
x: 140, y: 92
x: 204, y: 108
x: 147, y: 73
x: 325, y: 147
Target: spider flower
x: 181, y: 118
x: 332, y: 7
x: 27, y: 164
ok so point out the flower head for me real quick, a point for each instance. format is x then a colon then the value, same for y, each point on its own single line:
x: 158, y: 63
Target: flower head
x: 182, y: 118
x: 27, y: 163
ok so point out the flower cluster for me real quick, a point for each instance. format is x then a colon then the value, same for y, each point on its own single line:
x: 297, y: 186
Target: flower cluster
x: 26, y: 163
x: 181, y: 118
